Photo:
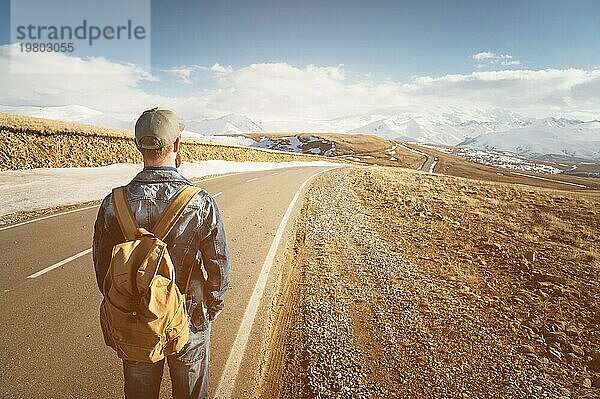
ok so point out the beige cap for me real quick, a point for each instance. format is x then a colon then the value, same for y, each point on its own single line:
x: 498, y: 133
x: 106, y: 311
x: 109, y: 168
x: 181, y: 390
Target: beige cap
x: 157, y: 128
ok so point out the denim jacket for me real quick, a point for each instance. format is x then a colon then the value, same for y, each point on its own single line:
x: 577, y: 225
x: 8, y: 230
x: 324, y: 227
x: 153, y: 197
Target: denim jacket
x: 197, y: 239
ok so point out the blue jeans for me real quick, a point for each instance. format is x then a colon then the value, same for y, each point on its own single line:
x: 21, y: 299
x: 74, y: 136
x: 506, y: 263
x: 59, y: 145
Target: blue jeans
x: 188, y: 370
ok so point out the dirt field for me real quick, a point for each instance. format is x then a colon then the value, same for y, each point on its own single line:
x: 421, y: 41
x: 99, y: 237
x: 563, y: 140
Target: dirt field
x: 406, y: 284
x: 366, y: 148
x: 455, y: 166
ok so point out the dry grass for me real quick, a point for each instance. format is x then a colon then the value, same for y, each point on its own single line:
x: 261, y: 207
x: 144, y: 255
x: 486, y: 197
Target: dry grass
x: 455, y: 166
x: 532, y: 252
x: 27, y: 143
x: 421, y: 285
x: 27, y: 124
x: 346, y: 144
x: 369, y: 149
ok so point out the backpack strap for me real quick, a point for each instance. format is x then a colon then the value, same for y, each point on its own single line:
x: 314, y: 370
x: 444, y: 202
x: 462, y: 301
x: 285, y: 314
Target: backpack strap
x: 124, y: 214
x: 169, y: 217
x: 174, y: 210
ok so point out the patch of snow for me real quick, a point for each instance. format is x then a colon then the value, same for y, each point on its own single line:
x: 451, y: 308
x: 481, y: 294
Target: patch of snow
x: 504, y: 160
x: 350, y: 157
x: 392, y: 150
x: 559, y: 138
x: 33, y: 189
x: 287, y: 143
x: 227, y: 140
x: 330, y: 151
x: 294, y: 144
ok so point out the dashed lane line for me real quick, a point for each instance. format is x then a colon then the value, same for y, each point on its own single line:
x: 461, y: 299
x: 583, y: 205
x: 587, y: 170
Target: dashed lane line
x: 248, y: 181
x: 59, y: 264
x: 47, y: 217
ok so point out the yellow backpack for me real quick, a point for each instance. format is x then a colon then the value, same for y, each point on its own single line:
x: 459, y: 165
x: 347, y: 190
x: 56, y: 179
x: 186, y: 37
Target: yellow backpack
x: 143, y: 314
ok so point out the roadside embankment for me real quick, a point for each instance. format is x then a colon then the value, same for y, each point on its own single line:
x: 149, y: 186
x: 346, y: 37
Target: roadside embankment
x: 27, y: 143
x: 406, y: 284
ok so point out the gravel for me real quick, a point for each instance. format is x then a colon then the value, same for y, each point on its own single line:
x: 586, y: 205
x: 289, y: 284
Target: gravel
x: 371, y: 324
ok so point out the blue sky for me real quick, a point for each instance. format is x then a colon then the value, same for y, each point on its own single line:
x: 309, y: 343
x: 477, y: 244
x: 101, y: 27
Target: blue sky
x: 360, y: 42
x: 391, y: 39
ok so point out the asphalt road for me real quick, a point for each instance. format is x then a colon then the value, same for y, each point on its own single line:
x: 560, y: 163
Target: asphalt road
x: 428, y: 164
x: 51, y: 344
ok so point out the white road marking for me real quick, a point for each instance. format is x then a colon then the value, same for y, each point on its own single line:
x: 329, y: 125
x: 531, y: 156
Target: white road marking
x: 217, y: 194
x: 234, y: 361
x: 248, y: 181
x: 47, y: 217
x: 554, y: 181
x: 59, y: 264
x: 273, y: 174
x: 200, y: 180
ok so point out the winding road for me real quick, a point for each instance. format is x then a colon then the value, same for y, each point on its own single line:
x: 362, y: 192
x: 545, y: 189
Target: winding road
x: 430, y: 161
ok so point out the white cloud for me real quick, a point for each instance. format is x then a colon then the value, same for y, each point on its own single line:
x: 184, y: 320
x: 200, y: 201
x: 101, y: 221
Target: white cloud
x: 220, y: 69
x: 95, y: 82
x: 280, y: 91
x: 547, y: 91
x: 184, y: 72
x: 283, y: 91
x: 55, y: 79
x: 484, y: 55
x: 487, y: 58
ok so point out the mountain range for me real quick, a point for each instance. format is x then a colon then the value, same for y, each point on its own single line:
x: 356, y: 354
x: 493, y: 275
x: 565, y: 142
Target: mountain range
x: 549, y: 138
x: 490, y: 129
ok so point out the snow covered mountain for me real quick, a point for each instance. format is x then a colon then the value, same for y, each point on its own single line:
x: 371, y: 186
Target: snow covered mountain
x: 433, y: 124
x: 545, y: 138
x: 226, y: 124
x: 436, y: 124
x: 479, y: 128
x: 76, y: 113
x: 70, y: 113
x: 490, y: 128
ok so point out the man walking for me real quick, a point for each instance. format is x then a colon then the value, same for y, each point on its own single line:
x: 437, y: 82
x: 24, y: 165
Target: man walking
x: 196, y: 245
